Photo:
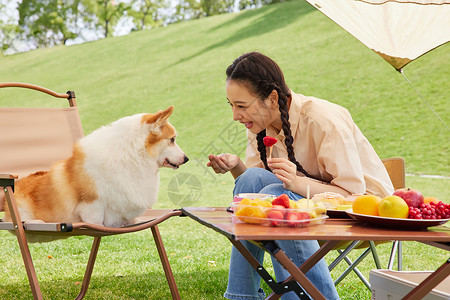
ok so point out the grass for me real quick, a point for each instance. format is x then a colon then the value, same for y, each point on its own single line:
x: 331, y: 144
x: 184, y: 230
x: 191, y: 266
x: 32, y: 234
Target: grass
x: 184, y: 64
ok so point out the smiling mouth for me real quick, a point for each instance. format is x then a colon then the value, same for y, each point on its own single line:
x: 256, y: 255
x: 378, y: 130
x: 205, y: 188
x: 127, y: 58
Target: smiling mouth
x: 248, y: 125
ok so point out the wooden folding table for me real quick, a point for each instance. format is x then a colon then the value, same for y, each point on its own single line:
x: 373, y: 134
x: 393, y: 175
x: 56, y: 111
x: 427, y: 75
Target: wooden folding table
x: 333, y: 231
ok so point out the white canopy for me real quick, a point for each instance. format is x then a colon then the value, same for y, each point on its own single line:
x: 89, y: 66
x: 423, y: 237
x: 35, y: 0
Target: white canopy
x: 398, y: 30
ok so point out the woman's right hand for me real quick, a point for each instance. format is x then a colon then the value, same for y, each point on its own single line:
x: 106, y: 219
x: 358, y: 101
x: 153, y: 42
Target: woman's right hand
x: 223, y: 163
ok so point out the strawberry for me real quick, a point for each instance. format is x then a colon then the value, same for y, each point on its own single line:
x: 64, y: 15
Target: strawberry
x: 269, y: 141
x: 293, y: 219
x: 276, y: 216
x: 279, y: 208
x: 283, y: 199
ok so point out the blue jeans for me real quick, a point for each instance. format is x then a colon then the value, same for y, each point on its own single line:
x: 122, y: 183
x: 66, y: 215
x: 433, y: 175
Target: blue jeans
x: 243, y: 281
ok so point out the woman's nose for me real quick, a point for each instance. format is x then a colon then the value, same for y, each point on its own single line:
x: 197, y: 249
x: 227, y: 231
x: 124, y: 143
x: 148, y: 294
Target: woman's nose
x: 236, y: 114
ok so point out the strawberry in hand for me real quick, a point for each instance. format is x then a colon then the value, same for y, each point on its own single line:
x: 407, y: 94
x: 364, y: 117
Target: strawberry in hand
x: 269, y: 142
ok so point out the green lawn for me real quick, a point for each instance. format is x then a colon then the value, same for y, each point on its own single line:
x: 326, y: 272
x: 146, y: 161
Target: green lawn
x: 184, y: 64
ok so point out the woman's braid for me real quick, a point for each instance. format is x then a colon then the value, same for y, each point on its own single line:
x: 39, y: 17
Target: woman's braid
x: 289, y: 140
x: 262, y: 148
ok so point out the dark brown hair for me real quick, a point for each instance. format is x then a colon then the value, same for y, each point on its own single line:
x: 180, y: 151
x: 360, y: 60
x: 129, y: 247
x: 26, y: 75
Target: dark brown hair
x: 261, y: 75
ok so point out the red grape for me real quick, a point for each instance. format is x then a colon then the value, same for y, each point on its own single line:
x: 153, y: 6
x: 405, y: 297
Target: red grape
x: 430, y: 210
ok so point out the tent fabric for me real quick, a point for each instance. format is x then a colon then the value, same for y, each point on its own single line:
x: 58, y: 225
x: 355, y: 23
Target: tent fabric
x: 399, y: 31
x: 424, y: 2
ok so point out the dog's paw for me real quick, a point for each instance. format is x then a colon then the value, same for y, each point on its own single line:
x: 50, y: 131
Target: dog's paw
x: 130, y: 222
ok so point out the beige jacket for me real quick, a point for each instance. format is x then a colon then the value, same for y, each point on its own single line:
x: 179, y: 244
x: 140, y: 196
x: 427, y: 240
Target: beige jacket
x: 328, y: 142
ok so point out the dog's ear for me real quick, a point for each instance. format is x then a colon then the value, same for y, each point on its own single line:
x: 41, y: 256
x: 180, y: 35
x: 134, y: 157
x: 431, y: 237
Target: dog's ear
x: 158, y: 118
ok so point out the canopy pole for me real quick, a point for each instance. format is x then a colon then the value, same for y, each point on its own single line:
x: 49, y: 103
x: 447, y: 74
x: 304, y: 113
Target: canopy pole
x: 418, y: 93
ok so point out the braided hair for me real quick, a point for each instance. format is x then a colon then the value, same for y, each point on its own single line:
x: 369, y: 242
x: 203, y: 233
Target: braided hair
x: 261, y: 75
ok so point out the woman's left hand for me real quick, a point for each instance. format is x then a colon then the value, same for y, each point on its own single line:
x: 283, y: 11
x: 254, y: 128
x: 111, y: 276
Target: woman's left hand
x: 285, y: 170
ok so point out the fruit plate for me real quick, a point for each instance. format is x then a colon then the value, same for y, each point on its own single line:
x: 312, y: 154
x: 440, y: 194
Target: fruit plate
x: 283, y: 217
x: 412, y: 224
x: 280, y: 223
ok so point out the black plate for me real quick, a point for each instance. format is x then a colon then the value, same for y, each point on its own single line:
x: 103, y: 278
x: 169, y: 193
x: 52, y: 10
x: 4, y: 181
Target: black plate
x: 337, y: 214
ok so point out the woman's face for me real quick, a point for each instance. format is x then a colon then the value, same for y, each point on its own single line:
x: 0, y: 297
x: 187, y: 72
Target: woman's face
x: 249, y: 110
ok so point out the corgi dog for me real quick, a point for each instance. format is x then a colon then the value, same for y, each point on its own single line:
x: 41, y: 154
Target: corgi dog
x: 111, y: 178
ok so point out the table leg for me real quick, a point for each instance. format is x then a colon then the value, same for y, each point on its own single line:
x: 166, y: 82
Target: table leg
x: 314, y: 259
x: 279, y: 288
x: 296, y: 273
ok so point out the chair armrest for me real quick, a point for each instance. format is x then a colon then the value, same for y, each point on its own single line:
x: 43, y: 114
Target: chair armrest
x: 6, y: 180
x: 8, y: 176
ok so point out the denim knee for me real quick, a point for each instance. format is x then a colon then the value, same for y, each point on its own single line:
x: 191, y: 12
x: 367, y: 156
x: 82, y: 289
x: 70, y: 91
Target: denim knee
x: 277, y: 189
x: 253, y: 180
x: 258, y: 180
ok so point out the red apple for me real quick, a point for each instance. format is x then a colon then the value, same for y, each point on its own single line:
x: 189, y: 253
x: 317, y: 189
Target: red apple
x: 412, y: 197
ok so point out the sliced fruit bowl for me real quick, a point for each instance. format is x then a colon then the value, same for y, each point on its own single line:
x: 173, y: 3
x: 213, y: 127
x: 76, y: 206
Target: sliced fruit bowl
x: 280, y: 211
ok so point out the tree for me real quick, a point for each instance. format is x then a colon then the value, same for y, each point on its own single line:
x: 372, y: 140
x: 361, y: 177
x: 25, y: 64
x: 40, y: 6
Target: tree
x: 147, y: 13
x: 50, y: 22
x: 8, y: 31
x: 44, y: 23
x: 195, y: 9
x: 245, y: 4
x: 212, y: 7
x: 108, y: 13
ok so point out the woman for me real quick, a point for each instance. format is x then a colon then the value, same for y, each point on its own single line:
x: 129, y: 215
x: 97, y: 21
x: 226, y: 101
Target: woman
x: 318, y: 146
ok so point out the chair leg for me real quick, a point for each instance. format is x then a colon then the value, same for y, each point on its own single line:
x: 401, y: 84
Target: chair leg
x: 165, y: 262
x: 376, y: 259
x: 399, y: 256
x: 393, y: 253
x: 29, y: 266
x: 352, y: 267
x: 357, y: 272
x: 89, y: 268
x: 342, y: 255
x: 23, y: 244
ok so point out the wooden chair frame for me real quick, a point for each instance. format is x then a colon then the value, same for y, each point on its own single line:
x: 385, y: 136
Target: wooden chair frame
x: 150, y: 219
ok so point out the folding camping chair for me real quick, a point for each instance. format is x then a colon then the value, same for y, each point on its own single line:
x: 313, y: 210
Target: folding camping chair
x: 31, y: 140
x: 395, y: 167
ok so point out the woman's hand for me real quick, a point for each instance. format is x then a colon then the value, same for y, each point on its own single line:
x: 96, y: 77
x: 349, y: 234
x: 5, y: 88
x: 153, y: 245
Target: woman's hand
x: 285, y: 170
x: 223, y: 163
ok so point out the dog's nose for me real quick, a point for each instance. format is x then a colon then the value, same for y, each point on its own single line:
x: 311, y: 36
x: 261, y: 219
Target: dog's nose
x: 186, y: 159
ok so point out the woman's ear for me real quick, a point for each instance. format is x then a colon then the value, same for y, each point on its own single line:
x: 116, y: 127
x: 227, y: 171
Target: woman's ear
x: 273, y: 98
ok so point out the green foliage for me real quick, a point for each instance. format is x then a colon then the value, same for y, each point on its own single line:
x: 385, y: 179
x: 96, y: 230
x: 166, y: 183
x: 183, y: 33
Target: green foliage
x: 108, y: 13
x: 146, y: 13
x: 8, y: 34
x: 8, y: 30
x: 51, y: 22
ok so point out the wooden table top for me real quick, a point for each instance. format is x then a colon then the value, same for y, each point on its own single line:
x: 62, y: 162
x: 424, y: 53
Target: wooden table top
x: 220, y: 220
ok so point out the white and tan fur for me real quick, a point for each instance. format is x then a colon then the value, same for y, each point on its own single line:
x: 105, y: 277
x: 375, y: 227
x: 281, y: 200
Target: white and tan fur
x: 111, y: 178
